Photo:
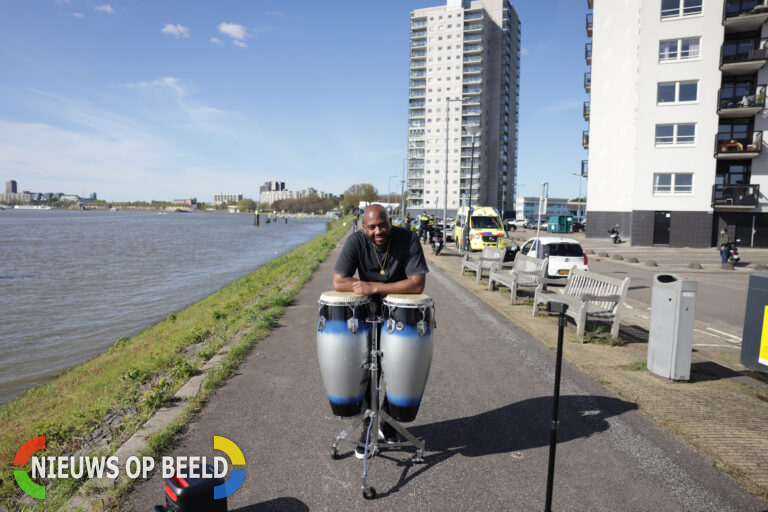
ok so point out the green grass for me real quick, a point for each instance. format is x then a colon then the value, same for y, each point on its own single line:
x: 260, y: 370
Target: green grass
x: 639, y: 365
x: 137, y: 375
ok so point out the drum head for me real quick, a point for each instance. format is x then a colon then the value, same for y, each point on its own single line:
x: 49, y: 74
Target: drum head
x: 345, y: 298
x: 409, y: 300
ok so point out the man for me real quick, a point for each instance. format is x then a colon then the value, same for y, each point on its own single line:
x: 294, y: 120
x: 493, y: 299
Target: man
x: 723, y: 245
x: 423, y: 223
x: 387, y: 260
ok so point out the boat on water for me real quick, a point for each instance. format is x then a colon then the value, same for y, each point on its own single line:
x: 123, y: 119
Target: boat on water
x: 32, y: 207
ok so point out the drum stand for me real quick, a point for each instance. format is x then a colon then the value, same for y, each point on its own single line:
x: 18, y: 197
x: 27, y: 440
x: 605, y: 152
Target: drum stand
x: 372, y: 443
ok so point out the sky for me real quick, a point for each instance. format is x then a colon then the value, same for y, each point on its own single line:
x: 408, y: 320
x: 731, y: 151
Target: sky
x: 140, y: 100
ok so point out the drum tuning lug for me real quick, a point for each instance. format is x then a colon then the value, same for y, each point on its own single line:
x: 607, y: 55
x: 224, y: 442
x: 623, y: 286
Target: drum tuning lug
x: 352, y: 325
x: 321, y: 323
x: 390, y: 325
x: 421, y: 327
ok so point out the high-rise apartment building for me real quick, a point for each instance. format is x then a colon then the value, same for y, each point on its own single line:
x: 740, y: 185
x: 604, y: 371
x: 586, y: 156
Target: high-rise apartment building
x: 10, y: 187
x: 677, y: 113
x: 463, y: 99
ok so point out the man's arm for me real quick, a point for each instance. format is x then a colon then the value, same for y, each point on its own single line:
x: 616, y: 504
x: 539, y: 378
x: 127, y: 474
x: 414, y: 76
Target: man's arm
x: 412, y: 284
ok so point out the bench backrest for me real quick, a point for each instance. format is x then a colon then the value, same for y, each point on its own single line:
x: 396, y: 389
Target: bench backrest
x: 531, y: 269
x: 582, y: 282
x: 491, y: 253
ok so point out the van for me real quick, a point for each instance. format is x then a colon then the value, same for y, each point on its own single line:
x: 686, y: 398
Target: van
x: 485, y: 228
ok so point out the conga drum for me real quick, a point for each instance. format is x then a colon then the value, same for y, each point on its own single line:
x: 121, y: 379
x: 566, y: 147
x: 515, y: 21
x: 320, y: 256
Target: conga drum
x: 343, y: 349
x: 406, y: 351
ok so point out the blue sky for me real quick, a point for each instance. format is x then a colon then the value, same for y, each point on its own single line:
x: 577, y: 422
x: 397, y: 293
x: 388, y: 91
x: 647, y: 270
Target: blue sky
x: 149, y: 99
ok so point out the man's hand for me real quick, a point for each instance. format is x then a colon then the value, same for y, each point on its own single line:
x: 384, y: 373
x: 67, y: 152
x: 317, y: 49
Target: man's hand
x: 365, y: 287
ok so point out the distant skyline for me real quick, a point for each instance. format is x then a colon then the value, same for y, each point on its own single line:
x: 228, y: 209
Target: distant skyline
x: 144, y: 100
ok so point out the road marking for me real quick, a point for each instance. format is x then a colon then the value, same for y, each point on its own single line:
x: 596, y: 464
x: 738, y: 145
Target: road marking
x: 713, y: 345
x: 628, y: 306
x: 644, y: 316
x: 738, y: 340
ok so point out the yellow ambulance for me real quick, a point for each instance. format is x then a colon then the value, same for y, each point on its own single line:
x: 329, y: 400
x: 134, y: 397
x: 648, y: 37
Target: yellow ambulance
x: 485, y: 228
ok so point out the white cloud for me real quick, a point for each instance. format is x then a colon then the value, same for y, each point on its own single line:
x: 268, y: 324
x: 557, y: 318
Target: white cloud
x: 233, y: 30
x: 215, y: 40
x: 175, y: 30
x: 78, y: 15
x: 524, y: 51
x: 239, y: 43
x: 201, y: 116
x: 104, y: 8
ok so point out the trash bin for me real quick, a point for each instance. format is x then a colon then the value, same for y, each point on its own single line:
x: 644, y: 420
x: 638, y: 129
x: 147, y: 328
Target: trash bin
x: 670, y: 342
x: 754, y: 343
x: 560, y: 224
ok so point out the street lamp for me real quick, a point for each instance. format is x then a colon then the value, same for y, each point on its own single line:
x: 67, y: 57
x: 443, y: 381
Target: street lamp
x: 473, y: 130
x: 580, y: 211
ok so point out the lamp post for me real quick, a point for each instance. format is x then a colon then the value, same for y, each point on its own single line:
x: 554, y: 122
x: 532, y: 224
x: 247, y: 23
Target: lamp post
x: 580, y: 211
x: 473, y: 131
x: 389, y: 191
x: 402, y: 189
x: 448, y: 101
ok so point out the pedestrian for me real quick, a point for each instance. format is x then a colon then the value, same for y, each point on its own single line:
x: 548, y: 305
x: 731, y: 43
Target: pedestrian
x: 722, y: 244
x: 355, y: 219
x: 423, y: 223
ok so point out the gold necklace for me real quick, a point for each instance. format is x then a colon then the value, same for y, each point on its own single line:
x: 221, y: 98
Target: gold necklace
x: 386, y: 256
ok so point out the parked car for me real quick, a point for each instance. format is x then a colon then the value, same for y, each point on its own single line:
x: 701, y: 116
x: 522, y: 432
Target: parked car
x: 563, y: 254
x: 514, y: 224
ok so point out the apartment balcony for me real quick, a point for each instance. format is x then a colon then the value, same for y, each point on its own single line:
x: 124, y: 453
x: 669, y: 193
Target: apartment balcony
x: 741, y: 103
x: 744, y: 15
x: 415, y: 182
x: 472, y: 27
x: 473, y: 48
x: 472, y: 100
x: 589, y: 24
x: 416, y: 153
x: 743, y: 56
x: 418, y: 34
x: 473, y: 69
x: 587, y: 81
x: 471, y: 90
x: 468, y: 59
x: 739, y: 147
x: 735, y: 196
x: 419, y: 24
x: 588, y: 53
x: 473, y: 79
x: 415, y: 194
x: 416, y: 163
x: 418, y: 53
x: 586, y: 111
x: 418, y: 83
x: 415, y: 133
x: 473, y: 38
x: 470, y: 120
x: 418, y: 93
x: 416, y: 123
x: 421, y: 43
x: 585, y: 168
x: 585, y: 139
x: 416, y: 103
x: 418, y: 74
x: 419, y: 64
x: 416, y: 113
x: 471, y: 111
x: 473, y: 16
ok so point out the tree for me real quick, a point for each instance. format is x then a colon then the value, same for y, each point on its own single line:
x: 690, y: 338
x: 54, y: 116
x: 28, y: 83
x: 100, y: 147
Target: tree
x: 246, y: 205
x: 359, y: 192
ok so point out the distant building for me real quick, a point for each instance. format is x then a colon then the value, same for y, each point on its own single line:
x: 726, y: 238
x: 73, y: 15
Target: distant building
x: 226, y: 199
x: 185, y: 202
x: 529, y: 207
x: 10, y: 187
x: 272, y: 186
x: 270, y: 197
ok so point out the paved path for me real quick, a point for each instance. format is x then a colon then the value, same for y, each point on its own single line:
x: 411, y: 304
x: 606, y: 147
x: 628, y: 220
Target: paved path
x: 485, y: 418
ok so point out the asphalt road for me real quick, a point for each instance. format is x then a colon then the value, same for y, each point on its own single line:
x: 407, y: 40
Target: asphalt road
x: 721, y: 298
x: 485, y: 417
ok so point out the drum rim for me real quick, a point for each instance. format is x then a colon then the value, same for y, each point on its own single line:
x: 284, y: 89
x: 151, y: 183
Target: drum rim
x: 393, y: 300
x: 356, y: 298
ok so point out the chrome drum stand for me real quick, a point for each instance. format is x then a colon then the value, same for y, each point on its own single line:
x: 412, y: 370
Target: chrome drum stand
x: 372, y: 444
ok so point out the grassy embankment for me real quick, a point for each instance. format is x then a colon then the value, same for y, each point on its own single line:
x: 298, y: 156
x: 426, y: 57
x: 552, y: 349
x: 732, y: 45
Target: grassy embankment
x: 90, y: 410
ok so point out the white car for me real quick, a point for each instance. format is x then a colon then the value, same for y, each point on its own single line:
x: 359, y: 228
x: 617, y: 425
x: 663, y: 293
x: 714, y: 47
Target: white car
x: 563, y: 254
x: 514, y: 224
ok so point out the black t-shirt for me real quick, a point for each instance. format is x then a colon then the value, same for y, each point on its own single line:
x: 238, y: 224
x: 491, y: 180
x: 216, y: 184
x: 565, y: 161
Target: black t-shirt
x: 361, y: 255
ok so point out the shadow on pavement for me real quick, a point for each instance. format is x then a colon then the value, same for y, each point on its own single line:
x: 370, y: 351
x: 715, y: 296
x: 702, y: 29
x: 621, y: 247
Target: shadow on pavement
x: 287, y: 504
x: 512, y: 428
x: 707, y: 370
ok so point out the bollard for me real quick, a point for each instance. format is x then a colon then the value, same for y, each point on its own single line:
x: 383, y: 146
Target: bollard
x: 560, y: 309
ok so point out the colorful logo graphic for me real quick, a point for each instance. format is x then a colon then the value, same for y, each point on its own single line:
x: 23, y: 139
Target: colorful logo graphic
x: 236, y: 478
x: 21, y: 475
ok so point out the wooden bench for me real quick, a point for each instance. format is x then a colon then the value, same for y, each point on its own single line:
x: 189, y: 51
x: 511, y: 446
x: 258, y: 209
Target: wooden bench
x: 487, y: 259
x: 588, y: 295
x: 523, y: 272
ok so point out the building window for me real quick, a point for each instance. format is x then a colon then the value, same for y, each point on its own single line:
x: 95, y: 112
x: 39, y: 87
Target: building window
x: 672, y: 183
x: 679, y: 49
x: 675, y: 134
x: 678, y: 8
x: 677, y: 92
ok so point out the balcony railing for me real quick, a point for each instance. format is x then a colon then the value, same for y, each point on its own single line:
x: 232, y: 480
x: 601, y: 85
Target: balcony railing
x: 470, y: 90
x: 587, y: 81
x: 418, y: 83
x: 418, y: 63
x: 743, y: 56
x: 417, y: 113
x: 471, y: 38
x: 474, y: 16
x: 586, y: 111
x: 473, y: 79
x: 418, y: 44
x: 419, y: 53
x: 741, y: 102
x: 418, y: 24
x: 732, y: 147
x: 735, y: 195
x: 473, y: 58
x: 744, y: 15
x: 589, y: 24
x: 469, y: 27
x: 471, y: 110
x: 473, y: 48
x: 418, y: 93
x: 473, y: 69
x: 585, y: 139
x: 418, y: 34
x: 588, y: 53
x: 418, y: 74
x: 585, y: 168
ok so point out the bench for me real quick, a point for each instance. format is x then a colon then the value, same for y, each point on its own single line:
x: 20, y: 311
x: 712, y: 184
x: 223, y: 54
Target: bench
x: 487, y: 259
x: 588, y: 295
x: 525, y: 272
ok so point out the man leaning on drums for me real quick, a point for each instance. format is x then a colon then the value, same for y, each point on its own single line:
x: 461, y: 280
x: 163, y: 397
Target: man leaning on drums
x: 388, y: 260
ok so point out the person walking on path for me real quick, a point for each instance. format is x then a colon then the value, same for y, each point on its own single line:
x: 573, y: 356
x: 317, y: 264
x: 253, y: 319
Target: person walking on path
x: 387, y: 259
x: 355, y: 219
x: 722, y: 244
x: 423, y: 223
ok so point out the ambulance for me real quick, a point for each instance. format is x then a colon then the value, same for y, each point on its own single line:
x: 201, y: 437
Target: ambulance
x: 485, y: 228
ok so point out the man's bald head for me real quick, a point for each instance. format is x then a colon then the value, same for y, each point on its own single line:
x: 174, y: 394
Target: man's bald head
x: 376, y: 224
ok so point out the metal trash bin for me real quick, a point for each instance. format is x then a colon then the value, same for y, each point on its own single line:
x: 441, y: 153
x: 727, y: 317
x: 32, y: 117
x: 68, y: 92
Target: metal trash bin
x: 754, y: 343
x: 670, y: 342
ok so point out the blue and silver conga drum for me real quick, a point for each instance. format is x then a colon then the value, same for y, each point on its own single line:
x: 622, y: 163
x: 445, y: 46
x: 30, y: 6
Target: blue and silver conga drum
x: 406, y: 351
x: 343, y: 349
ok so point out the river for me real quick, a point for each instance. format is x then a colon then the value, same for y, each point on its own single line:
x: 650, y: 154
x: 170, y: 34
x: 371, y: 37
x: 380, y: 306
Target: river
x: 73, y: 282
